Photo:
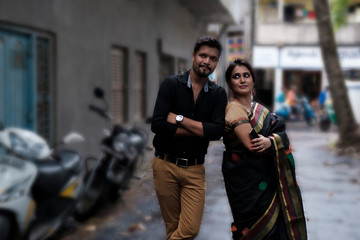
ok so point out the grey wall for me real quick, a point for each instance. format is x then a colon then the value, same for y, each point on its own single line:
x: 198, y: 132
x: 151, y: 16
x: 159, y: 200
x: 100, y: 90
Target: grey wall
x: 84, y: 32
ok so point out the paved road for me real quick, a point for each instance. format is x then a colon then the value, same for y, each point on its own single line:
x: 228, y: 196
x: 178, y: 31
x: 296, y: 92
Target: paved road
x: 330, y: 186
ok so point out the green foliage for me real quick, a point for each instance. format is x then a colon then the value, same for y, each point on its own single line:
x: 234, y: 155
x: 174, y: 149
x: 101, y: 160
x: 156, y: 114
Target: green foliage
x: 339, y: 12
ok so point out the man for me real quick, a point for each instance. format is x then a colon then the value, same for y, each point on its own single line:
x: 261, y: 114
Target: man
x: 322, y: 97
x: 189, y: 112
x: 292, y: 99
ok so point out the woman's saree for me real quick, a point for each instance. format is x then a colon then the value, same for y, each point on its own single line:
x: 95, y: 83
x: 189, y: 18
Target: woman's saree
x: 284, y: 200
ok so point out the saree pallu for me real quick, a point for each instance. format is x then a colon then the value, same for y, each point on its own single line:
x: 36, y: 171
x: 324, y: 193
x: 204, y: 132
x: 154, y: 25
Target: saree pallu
x: 277, y: 209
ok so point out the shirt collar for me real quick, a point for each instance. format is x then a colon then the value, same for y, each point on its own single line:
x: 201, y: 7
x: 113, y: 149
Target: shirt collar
x: 206, y: 86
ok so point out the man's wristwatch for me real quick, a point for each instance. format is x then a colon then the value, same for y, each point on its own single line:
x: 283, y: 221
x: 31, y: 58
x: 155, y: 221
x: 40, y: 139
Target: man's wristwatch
x: 179, y: 119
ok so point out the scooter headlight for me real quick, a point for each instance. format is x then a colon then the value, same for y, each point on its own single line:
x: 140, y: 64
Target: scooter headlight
x: 15, y: 191
x: 22, y: 148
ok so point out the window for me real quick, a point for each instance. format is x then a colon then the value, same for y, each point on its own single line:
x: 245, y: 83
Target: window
x: 119, y: 85
x: 291, y: 11
x: 299, y: 12
x: 26, y: 79
x: 140, y: 86
x: 354, y: 12
x: 43, y: 87
x: 181, y: 66
x: 167, y: 66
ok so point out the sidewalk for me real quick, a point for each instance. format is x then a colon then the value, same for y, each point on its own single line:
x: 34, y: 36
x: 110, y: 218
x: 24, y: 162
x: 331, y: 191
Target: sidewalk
x: 330, y: 187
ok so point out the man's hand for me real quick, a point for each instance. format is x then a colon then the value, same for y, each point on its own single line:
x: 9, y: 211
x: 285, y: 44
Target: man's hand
x: 171, y: 118
x: 192, y: 127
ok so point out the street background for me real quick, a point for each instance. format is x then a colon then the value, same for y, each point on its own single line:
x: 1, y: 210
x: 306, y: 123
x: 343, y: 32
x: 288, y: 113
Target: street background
x: 54, y: 53
x: 330, y: 186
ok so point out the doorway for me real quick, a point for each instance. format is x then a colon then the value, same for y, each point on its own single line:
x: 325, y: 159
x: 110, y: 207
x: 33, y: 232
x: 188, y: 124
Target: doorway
x: 16, y: 80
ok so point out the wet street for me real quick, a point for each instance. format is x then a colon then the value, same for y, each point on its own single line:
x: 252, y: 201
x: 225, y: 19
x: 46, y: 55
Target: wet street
x: 330, y: 187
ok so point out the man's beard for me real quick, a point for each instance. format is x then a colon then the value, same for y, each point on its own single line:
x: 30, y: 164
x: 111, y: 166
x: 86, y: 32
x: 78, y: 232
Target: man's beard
x: 202, y: 73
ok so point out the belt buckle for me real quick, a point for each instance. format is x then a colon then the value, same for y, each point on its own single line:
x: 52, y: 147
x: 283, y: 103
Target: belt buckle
x: 180, y: 160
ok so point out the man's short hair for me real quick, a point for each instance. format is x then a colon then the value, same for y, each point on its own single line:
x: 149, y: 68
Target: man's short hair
x: 207, y: 41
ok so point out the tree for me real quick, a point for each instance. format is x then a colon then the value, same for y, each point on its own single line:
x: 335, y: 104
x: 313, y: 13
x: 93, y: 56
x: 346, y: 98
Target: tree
x: 349, y: 131
x: 339, y: 9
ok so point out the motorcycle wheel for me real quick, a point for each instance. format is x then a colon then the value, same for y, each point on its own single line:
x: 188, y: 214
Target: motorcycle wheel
x: 115, y: 191
x: 311, y: 121
x: 5, y: 228
x: 93, y: 194
x: 129, y: 175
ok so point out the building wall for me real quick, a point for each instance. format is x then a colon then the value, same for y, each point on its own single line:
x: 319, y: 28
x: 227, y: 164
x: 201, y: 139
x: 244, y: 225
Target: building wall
x: 274, y: 26
x: 301, y: 34
x: 84, y: 32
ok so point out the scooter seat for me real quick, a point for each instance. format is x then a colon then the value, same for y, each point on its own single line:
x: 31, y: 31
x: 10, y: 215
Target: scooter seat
x: 53, y: 174
x: 70, y: 160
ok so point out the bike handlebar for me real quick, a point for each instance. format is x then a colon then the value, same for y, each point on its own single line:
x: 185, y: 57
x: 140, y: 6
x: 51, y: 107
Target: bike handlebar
x: 99, y: 111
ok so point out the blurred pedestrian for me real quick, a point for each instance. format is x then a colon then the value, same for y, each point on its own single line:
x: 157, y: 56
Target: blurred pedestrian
x: 258, y: 166
x: 280, y: 97
x: 189, y: 112
x: 293, y: 101
x: 322, y: 97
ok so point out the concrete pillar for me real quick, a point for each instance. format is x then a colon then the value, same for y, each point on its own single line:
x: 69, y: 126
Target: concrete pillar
x: 277, y: 84
x: 281, y: 10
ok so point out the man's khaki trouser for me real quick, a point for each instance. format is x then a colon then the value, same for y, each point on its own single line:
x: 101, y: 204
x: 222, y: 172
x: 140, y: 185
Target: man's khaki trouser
x: 181, y: 196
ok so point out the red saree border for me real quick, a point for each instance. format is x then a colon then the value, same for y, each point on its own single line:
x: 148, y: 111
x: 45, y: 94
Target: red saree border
x: 289, y: 197
x: 265, y: 223
x: 257, y: 116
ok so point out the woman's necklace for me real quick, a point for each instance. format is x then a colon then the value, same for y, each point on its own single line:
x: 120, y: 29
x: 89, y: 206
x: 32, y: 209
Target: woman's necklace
x: 247, y: 108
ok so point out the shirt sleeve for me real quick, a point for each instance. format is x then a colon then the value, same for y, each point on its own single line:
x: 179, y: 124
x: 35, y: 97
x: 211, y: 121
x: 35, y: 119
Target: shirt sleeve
x: 215, y: 128
x: 159, y: 124
x: 235, y: 115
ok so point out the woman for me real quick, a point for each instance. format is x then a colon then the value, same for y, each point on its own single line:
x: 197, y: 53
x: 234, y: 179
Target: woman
x: 259, y: 173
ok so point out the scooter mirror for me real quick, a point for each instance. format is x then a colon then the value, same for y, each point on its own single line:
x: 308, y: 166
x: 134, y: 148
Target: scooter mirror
x: 99, y: 92
x: 73, y: 137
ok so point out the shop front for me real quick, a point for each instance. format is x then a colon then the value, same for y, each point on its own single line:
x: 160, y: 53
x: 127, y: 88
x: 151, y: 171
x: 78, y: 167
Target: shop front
x: 302, y: 66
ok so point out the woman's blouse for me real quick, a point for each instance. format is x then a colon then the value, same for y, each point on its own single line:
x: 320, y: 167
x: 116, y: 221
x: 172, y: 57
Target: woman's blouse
x: 235, y: 115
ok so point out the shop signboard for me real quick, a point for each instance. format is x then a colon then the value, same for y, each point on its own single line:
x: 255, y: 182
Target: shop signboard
x: 265, y: 56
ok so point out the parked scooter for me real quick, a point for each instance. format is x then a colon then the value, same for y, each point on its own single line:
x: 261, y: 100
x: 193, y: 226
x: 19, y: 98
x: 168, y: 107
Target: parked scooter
x: 306, y: 111
x: 114, y: 166
x: 38, y: 186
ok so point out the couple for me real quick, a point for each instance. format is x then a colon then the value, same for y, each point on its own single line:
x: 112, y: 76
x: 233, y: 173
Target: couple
x: 259, y: 173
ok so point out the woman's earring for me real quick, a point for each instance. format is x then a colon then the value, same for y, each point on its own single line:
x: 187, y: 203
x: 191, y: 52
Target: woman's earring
x: 252, y: 97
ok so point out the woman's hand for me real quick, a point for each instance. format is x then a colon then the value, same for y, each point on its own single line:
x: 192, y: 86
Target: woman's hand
x: 260, y: 144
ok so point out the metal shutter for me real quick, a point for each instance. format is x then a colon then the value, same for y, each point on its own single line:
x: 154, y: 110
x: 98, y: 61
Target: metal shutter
x: 118, y: 85
x: 43, y: 87
x: 140, y: 86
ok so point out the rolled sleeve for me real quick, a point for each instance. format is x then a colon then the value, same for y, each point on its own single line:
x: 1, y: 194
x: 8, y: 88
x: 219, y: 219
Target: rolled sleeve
x: 159, y: 124
x: 214, y: 129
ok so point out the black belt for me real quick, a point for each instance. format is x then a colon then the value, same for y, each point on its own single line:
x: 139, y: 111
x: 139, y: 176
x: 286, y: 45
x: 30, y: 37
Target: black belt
x: 180, y: 161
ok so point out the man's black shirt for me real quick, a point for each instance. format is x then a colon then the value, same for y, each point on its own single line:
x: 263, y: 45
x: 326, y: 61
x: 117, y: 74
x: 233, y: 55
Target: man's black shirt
x: 176, y: 96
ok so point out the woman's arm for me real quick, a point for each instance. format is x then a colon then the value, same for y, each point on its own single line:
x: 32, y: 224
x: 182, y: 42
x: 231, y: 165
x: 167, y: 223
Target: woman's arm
x: 258, y: 145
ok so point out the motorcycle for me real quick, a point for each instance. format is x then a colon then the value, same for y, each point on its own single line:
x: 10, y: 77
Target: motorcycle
x: 38, y: 186
x: 309, y: 116
x: 114, y: 166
